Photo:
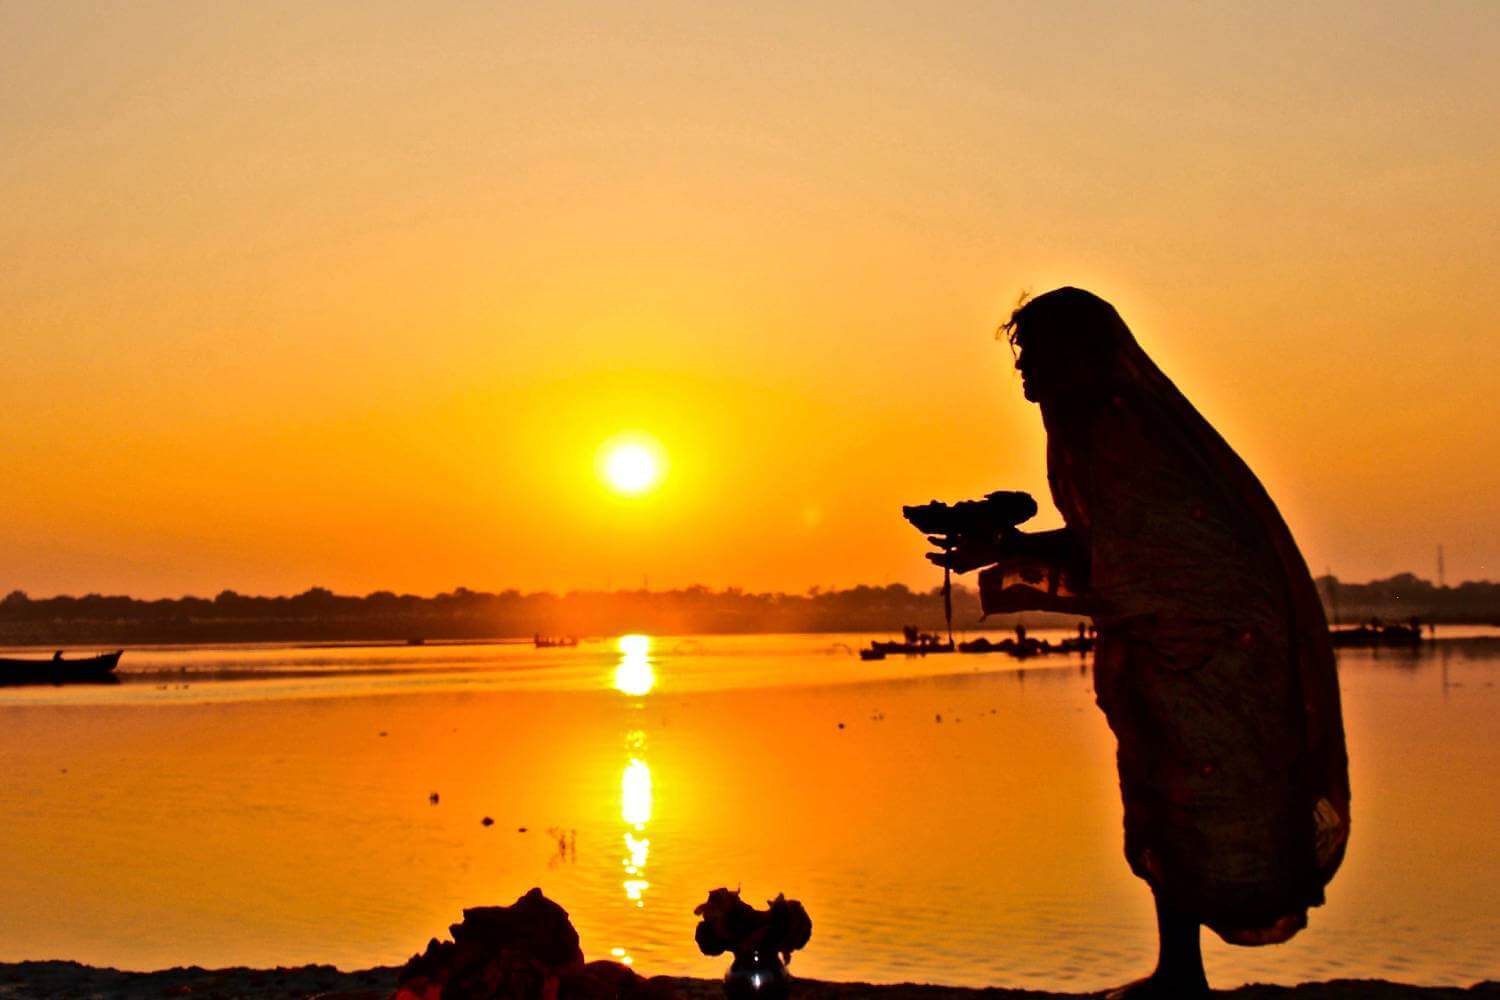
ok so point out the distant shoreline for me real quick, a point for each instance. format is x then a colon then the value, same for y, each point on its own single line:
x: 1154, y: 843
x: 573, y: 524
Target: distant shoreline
x: 1002, y: 625
x: 319, y: 615
x: 28, y: 980
x: 998, y: 624
x: 316, y: 638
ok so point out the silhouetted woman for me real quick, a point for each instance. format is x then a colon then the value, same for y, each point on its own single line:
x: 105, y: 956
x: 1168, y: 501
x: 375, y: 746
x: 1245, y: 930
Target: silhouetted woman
x: 1213, y: 664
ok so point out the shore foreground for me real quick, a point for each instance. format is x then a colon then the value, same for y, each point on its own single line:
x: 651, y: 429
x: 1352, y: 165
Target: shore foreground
x: 72, y: 980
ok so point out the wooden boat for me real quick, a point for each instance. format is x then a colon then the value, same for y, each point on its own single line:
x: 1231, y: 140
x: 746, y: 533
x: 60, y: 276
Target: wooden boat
x: 911, y: 648
x: 1021, y: 647
x: 58, y: 670
x: 549, y: 642
x: 984, y: 645
x: 917, y: 643
x: 1376, y: 634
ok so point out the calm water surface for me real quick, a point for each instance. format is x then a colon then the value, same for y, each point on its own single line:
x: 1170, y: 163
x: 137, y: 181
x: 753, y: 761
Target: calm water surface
x: 954, y: 819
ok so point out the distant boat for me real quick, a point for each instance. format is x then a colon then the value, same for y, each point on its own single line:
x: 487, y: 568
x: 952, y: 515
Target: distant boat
x: 549, y: 642
x: 57, y: 670
x: 1377, y: 633
x: 1020, y: 647
x: 884, y: 649
x: 918, y: 643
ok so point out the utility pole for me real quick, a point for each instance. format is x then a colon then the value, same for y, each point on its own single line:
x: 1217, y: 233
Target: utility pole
x: 1441, y: 582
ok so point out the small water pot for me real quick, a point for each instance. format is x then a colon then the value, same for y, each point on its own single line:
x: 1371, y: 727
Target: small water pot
x: 757, y: 975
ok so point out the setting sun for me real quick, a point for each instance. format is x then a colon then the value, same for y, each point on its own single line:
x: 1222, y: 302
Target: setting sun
x: 631, y: 466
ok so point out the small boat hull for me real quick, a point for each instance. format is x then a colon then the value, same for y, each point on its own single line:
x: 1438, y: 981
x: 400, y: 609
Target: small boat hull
x: 1364, y: 636
x: 88, y: 670
x: 911, y: 648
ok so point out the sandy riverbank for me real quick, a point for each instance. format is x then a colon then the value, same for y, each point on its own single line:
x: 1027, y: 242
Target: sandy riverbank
x: 71, y: 980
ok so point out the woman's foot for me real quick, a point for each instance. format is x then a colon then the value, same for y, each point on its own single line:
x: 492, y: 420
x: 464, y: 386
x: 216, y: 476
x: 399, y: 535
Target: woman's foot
x: 1157, y: 985
x: 1179, y: 962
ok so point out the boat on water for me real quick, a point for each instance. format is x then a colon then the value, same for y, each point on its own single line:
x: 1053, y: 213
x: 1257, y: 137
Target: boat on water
x: 1021, y: 647
x: 1377, y: 633
x: 552, y: 642
x: 58, y: 669
x: 911, y: 648
x: 915, y: 643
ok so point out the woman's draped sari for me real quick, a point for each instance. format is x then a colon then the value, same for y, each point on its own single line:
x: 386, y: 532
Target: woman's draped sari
x: 1213, y: 665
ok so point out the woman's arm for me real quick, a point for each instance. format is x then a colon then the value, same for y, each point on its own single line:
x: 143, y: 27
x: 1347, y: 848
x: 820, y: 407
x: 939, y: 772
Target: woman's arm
x: 1024, y: 584
x: 1056, y: 547
x: 1028, y: 571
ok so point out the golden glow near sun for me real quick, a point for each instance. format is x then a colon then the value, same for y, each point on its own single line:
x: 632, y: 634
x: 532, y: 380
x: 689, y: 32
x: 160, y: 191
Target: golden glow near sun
x: 631, y: 465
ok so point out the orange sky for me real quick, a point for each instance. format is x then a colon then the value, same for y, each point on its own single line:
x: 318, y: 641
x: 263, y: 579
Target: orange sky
x: 351, y: 295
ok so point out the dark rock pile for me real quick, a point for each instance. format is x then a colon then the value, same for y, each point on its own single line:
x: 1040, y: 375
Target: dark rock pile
x: 525, y: 951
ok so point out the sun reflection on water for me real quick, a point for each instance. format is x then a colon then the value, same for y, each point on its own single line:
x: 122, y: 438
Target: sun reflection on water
x: 635, y: 810
x: 635, y: 675
x: 635, y: 794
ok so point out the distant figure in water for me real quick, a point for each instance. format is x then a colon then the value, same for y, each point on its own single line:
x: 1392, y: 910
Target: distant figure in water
x: 1213, y: 663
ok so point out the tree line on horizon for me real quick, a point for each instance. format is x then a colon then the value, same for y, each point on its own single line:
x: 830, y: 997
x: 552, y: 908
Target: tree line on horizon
x: 321, y: 614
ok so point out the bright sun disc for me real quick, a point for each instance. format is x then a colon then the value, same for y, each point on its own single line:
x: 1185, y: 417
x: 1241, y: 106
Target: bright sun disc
x: 631, y: 467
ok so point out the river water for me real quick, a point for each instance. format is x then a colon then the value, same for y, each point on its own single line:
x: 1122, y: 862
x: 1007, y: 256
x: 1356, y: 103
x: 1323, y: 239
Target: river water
x: 953, y: 819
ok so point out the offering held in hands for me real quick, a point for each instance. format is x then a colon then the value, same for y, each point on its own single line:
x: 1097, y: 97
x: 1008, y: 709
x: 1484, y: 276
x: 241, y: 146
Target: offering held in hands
x: 987, y: 519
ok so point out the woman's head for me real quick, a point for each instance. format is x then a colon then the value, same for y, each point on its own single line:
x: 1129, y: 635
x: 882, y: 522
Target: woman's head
x: 1065, y: 342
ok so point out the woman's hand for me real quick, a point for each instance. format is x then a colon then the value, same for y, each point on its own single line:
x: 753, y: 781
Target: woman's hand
x: 1024, y: 548
x: 967, y: 552
x: 1036, y: 571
